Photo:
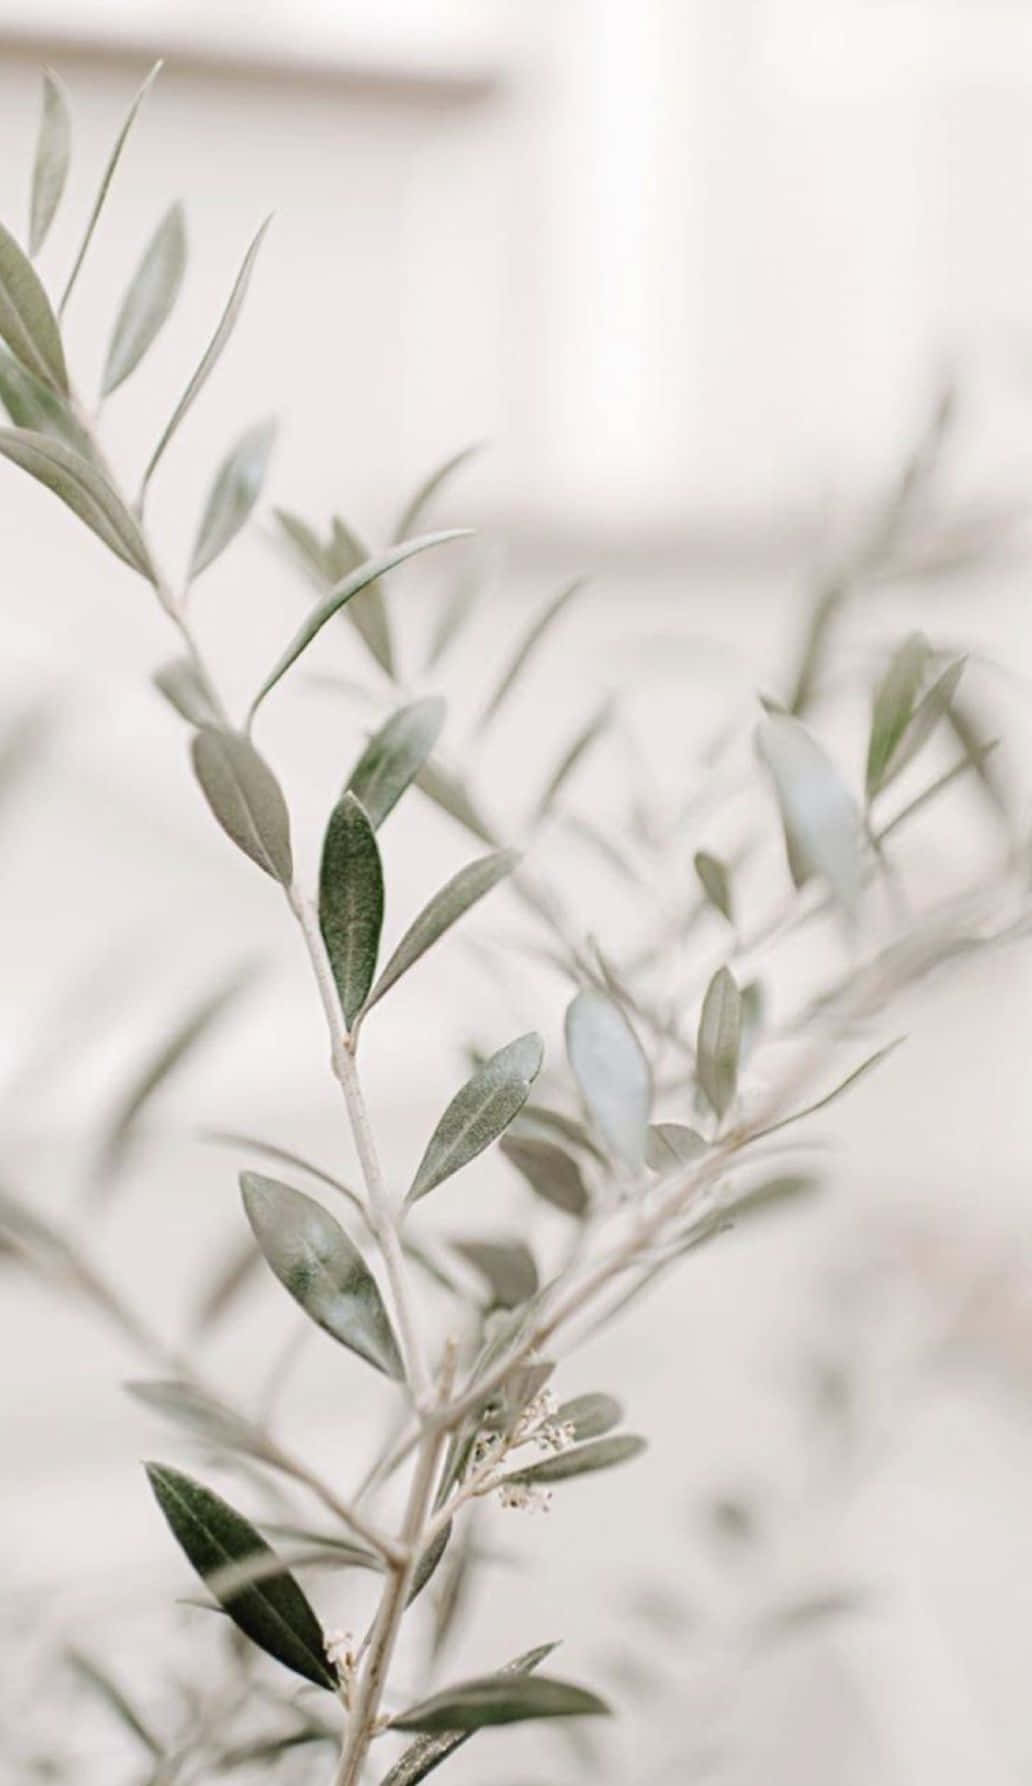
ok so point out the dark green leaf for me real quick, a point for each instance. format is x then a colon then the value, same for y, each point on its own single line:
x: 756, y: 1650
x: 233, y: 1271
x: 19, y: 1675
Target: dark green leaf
x: 444, y: 909
x: 149, y: 301
x: 716, y: 882
x: 322, y: 1269
x: 499, y: 1699
x: 719, y: 1040
x: 83, y: 488
x: 527, y: 646
x: 343, y: 592
x: 508, y: 1268
x: 212, y: 354
x: 368, y: 611
x: 581, y: 1460
x: 245, y: 798
x: 106, y: 179
x: 818, y: 813
x: 549, y: 1171
x: 429, y: 489
x: 50, y: 168
x: 893, y: 706
x: 34, y: 405
x: 612, y: 1073
x: 394, y: 756
x: 237, y: 487
x: 480, y: 1112
x: 274, y: 1614
x: 590, y: 1416
x: 671, y: 1144
x: 351, y: 902
x: 427, y: 1752
x: 27, y: 323
x: 184, y: 690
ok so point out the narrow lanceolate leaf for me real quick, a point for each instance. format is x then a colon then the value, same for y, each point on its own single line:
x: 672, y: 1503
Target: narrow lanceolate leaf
x: 720, y: 1040
x: 149, y: 301
x: 894, y: 701
x: 342, y: 592
x: 527, y: 647
x: 394, y: 756
x: 612, y: 1073
x: 237, y: 487
x: 932, y: 707
x: 430, y: 488
x: 50, y: 168
x: 199, y: 1414
x: 572, y: 755
x: 305, y: 546
x: 27, y: 323
x: 273, y: 1613
x: 368, y: 612
x: 212, y: 354
x: 671, y: 1144
x: 444, y: 909
x: 715, y: 882
x: 106, y: 179
x: 117, y: 1701
x: 427, y: 1752
x: 82, y: 488
x: 500, y: 1699
x: 590, y: 1416
x: 451, y: 795
x: 184, y: 690
x: 32, y: 404
x: 581, y: 1460
x: 245, y: 798
x: 322, y: 1269
x: 818, y: 813
x: 351, y: 902
x: 552, y: 1173
x: 508, y: 1267
x: 844, y: 1085
x: 480, y: 1112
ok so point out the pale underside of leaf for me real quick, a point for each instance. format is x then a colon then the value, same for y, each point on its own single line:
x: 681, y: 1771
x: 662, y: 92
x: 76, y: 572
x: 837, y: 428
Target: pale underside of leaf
x: 611, y: 1072
x: 479, y: 1112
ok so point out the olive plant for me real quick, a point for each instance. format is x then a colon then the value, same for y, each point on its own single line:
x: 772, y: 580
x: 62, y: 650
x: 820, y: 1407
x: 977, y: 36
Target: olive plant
x: 656, y: 1134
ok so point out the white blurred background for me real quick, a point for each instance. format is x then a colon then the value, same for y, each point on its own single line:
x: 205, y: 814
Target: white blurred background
x: 694, y: 270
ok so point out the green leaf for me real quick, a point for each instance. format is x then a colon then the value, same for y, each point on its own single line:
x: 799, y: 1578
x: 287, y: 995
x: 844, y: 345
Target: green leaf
x: 450, y: 794
x: 772, y: 1194
x: 427, y: 1752
x: 926, y: 716
x: 106, y: 179
x: 305, y: 545
x: 581, y: 1460
x: 149, y: 301
x: 368, y: 612
x: 322, y: 1269
x: 499, y: 1699
x: 430, y: 488
x: 591, y: 1416
x: 237, y: 487
x: 526, y: 648
x: 818, y: 813
x: 552, y: 1173
x: 394, y: 756
x: 184, y: 690
x: 480, y: 1112
x: 508, y: 1268
x: 351, y: 902
x: 27, y: 323
x: 82, y: 488
x: 837, y: 1091
x: 429, y: 1561
x: 671, y: 1144
x: 443, y: 910
x: 343, y: 592
x: 245, y: 798
x: 32, y: 404
x: 893, y: 706
x: 716, y: 882
x: 572, y: 756
x: 612, y: 1073
x: 719, y: 1040
x: 212, y: 354
x: 274, y: 1614
x: 50, y: 168
x: 199, y: 1414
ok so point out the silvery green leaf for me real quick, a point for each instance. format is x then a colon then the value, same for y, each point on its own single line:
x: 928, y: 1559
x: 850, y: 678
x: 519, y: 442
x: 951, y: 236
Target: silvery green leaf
x: 245, y: 798
x: 753, y: 1011
x: 772, y: 1194
x: 284, y: 1156
x: 149, y: 301
x: 427, y: 1752
x: 274, y: 1613
x: 719, y: 1040
x: 612, y: 1073
x: 844, y: 1085
x: 527, y: 646
x: 394, y: 756
x: 715, y: 881
x: 212, y: 354
x: 305, y: 545
x: 537, y: 1119
x: 894, y: 701
x: 351, y: 902
x: 930, y: 709
x: 508, y: 1268
x: 550, y: 1171
x: 50, y: 168
x: 818, y: 813
x: 451, y: 795
x: 499, y: 1699
x: 480, y: 1112
x: 32, y: 404
x: 368, y: 612
x: 572, y: 755
x: 82, y: 488
x: 581, y: 1460
x: 182, y: 687
x: 429, y: 1561
x: 590, y: 1416
x: 106, y: 179
x: 443, y: 910
x: 454, y: 615
x: 671, y: 1144
x: 322, y: 1269
x: 429, y: 489
x: 200, y: 1414
x: 344, y: 592
x: 237, y: 487
x: 232, y: 1276
x: 27, y: 323
x: 108, y: 1689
